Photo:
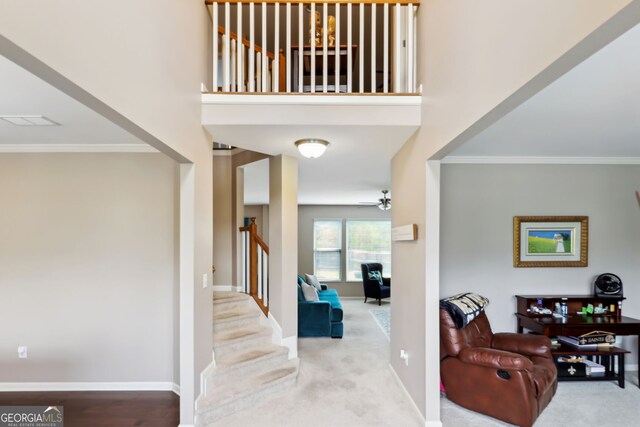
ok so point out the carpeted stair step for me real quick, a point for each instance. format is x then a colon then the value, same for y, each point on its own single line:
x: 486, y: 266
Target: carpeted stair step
x: 232, y: 367
x: 228, y: 301
x: 230, y: 398
x: 236, y: 340
x: 235, y: 319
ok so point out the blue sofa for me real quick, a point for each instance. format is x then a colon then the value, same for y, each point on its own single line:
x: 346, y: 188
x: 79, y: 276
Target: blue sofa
x: 321, y: 318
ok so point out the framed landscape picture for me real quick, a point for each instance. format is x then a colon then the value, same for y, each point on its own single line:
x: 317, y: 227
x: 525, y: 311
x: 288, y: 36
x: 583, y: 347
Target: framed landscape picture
x: 550, y: 241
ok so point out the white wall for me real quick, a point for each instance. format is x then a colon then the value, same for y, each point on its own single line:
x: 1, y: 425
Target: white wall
x: 283, y: 248
x: 478, y: 206
x: 223, y: 234
x: 88, y: 267
x: 306, y: 215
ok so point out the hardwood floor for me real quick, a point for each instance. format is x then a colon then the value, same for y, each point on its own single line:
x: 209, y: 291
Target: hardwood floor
x: 106, y: 408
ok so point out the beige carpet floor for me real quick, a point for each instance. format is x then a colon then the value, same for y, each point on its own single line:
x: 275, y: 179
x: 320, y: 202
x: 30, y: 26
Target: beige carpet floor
x: 602, y: 404
x: 342, y: 382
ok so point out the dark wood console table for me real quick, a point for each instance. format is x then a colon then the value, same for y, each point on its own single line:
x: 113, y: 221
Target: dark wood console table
x: 575, y: 324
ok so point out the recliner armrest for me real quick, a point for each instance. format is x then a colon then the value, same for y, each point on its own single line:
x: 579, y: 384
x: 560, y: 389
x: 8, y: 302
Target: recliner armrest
x: 386, y: 281
x: 492, y: 358
x: 529, y: 345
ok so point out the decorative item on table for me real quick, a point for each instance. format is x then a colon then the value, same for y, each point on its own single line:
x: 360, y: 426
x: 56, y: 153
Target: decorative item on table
x: 331, y: 29
x: 597, y: 337
x: 539, y: 310
x: 317, y: 35
x: 583, y: 343
x: 573, y: 368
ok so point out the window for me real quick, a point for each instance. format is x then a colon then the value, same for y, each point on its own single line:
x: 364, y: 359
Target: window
x: 327, y: 249
x: 368, y: 241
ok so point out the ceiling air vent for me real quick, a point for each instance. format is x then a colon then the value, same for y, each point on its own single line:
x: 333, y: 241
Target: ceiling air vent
x: 29, y: 121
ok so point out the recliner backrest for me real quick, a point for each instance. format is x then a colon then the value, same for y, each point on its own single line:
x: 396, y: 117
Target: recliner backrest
x: 477, y: 333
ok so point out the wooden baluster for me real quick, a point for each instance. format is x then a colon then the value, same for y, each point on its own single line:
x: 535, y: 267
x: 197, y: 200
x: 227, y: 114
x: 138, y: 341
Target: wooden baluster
x: 349, y: 50
x: 216, y: 38
x: 227, y: 48
x: 361, y: 49
x: 300, y: 47
x: 265, y: 60
x: 325, y: 42
x: 312, y: 36
x: 252, y: 56
x: 373, y: 48
x: 385, y: 55
x: 240, y: 54
x: 276, y: 48
x: 409, y: 50
x: 288, y: 50
x: 337, y: 49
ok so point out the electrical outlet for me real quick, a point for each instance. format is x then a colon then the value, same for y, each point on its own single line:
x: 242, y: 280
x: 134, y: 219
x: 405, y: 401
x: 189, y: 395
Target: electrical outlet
x: 205, y: 280
x: 22, y: 351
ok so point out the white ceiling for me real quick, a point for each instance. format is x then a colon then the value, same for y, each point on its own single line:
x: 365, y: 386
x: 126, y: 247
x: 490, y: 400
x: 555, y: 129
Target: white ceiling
x: 355, y: 167
x: 591, y: 111
x: 25, y: 94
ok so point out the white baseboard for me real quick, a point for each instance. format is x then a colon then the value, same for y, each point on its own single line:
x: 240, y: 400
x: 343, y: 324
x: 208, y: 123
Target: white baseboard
x: 222, y: 288
x: 276, y: 337
x: 413, y: 404
x: 186, y: 425
x: 92, y: 386
x: 292, y: 344
x: 175, y: 388
x: 206, y: 372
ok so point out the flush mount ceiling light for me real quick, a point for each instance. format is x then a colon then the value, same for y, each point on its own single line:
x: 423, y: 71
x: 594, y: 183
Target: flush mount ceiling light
x: 30, y: 120
x: 384, y: 203
x: 312, y: 147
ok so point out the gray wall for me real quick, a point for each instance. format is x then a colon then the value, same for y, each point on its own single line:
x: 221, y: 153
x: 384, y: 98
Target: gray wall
x: 88, y: 267
x: 306, y: 215
x: 478, y: 206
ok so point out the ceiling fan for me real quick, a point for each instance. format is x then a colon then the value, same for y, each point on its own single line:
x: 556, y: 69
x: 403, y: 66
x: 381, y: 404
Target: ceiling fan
x: 383, y: 203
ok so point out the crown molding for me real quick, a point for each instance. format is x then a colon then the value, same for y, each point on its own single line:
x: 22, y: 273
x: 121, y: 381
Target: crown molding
x: 76, y: 148
x: 526, y: 160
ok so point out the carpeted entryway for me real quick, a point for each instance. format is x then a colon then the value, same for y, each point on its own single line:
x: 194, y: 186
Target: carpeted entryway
x: 342, y: 383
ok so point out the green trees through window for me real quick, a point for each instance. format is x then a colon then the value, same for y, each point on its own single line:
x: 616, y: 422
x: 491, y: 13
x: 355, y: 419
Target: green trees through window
x: 366, y: 241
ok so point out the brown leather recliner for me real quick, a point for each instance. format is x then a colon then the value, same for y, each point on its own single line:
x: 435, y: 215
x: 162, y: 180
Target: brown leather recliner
x: 507, y: 376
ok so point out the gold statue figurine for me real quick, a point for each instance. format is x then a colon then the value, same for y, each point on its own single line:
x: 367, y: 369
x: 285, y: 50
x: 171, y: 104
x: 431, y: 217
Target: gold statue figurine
x: 331, y: 31
x: 318, y: 32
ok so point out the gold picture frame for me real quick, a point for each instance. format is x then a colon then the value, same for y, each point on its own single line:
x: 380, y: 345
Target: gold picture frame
x: 550, y: 241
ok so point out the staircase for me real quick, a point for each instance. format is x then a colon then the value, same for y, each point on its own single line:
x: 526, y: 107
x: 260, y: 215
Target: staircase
x: 249, y: 368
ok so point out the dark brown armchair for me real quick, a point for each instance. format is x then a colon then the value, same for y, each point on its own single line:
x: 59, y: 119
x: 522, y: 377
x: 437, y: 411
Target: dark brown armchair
x: 507, y: 376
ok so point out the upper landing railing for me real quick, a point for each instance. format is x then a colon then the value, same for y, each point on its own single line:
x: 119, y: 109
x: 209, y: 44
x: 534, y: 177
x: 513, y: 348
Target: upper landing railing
x: 307, y: 46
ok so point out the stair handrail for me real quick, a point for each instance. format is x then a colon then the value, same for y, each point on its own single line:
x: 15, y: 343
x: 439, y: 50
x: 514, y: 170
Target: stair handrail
x: 255, y: 241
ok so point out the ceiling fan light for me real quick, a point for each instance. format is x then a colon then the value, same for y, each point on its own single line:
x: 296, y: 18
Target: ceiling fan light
x: 311, y: 148
x: 384, y: 204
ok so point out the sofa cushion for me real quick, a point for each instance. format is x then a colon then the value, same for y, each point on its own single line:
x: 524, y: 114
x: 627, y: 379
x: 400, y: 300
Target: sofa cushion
x: 300, y: 294
x: 313, y: 281
x: 310, y: 293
